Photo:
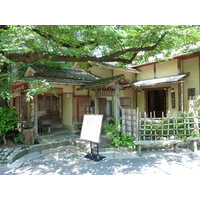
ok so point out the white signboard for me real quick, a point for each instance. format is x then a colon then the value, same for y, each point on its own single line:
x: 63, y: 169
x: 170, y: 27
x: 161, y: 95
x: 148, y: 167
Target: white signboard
x: 91, y: 128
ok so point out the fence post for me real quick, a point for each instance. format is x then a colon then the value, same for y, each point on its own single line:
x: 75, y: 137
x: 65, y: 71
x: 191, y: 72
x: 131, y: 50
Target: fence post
x: 136, y: 123
x: 196, y: 123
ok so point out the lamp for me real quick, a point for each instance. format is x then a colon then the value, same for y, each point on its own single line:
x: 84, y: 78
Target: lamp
x: 172, y: 90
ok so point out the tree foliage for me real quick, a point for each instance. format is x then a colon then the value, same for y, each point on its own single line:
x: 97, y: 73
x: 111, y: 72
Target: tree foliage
x: 64, y: 45
x: 122, y: 43
x: 8, y: 121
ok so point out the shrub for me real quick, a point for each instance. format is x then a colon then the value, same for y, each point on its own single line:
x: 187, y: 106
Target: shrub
x: 15, y: 136
x: 118, y: 139
x: 8, y: 121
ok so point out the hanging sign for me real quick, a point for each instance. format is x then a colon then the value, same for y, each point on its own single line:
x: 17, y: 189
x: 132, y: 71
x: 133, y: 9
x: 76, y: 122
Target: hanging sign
x: 91, y: 128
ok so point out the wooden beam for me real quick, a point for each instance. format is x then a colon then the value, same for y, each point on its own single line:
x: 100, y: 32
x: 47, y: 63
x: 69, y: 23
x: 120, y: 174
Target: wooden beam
x: 199, y: 74
x: 117, y: 103
x: 36, y: 115
x: 154, y: 68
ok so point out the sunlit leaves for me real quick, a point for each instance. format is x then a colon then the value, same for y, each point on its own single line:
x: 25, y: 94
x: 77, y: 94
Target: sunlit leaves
x: 92, y: 40
x: 38, y: 87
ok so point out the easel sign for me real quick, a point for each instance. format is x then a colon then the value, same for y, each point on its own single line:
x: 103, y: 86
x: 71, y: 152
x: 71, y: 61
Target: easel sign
x: 91, y: 130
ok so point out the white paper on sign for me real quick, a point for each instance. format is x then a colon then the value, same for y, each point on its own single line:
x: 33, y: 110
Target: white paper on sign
x: 91, y: 128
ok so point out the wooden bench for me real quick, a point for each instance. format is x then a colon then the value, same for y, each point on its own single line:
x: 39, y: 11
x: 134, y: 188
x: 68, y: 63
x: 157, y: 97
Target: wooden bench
x: 193, y: 141
x: 139, y: 144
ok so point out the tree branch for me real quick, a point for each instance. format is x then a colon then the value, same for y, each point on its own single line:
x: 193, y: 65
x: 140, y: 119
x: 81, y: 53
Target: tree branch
x: 31, y: 57
x: 4, y: 27
x: 49, y: 36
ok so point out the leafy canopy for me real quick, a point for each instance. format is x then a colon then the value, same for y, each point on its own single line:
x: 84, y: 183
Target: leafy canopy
x: 65, y: 44
x: 121, y: 43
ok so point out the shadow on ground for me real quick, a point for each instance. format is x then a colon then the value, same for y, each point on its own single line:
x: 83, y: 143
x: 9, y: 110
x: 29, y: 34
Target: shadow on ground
x: 71, y: 162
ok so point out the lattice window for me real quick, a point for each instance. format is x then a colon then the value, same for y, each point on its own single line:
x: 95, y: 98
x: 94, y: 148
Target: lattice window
x: 191, y: 93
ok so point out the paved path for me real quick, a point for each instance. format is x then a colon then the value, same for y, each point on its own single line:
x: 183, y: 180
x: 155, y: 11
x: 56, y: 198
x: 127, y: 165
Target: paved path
x: 70, y: 161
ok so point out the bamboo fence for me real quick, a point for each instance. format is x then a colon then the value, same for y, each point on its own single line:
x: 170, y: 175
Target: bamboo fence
x: 175, y: 126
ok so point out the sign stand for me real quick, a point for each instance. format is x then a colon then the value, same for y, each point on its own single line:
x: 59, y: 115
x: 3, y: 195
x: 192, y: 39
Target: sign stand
x: 92, y: 155
x: 91, y: 130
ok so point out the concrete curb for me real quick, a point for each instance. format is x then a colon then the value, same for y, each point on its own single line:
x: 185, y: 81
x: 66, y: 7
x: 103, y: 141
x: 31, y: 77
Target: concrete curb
x: 36, y: 148
x: 40, y: 147
x: 16, y: 155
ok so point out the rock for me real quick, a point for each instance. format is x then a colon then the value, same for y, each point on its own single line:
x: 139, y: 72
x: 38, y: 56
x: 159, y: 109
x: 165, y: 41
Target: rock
x: 4, y: 158
x: 2, y: 162
x: 16, y: 155
x: 17, y: 149
x: 6, y: 153
x: 5, y: 149
x: 10, y: 150
x: 9, y: 157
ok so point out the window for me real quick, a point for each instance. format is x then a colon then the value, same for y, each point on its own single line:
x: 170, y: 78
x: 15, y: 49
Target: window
x: 191, y: 93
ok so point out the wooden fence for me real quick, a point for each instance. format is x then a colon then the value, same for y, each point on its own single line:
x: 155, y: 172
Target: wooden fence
x: 130, y: 121
x: 175, y: 126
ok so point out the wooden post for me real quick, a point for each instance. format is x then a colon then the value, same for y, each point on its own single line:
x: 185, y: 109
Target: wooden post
x: 139, y: 150
x: 96, y: 102
x: 176, y: 148
x: 117, y: 103
x: 36, y: 116
x: 196, y: 123
x: 194, y: 146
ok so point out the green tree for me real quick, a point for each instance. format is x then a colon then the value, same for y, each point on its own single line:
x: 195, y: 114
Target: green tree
x: 8, y: 121
x: 125, y: 44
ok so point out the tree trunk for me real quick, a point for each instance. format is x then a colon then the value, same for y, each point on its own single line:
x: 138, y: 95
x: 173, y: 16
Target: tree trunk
x: 4, y: 139
x: 3, y: 102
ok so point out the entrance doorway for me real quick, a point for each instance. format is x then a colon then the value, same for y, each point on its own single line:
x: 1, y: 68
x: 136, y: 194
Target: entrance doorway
x: 105, y: 108
x: 156, y: 102
x: 50, y: 108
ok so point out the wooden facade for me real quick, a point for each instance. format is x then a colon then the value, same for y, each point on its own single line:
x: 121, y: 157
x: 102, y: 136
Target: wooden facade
x: 153, y: 88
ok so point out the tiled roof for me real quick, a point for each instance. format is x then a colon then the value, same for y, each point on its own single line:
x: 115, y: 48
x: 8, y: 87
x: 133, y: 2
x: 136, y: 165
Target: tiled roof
x: 62, y: 75
x: 105, y: 82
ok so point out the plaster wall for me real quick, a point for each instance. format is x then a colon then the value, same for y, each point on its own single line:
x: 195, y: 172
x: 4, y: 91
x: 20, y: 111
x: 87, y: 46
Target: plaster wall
x: 146, y: 72
x: 190, y: 65
x: 101, y: 71
x: 167, y: 68
x: 130, y: 76
x: 67, y: 110
x: 128, y: 93
x: 141, y: 101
